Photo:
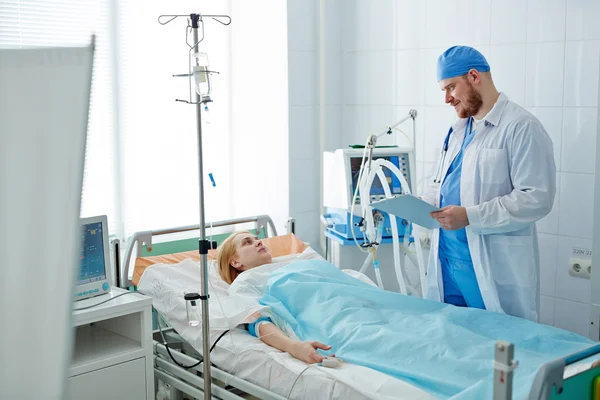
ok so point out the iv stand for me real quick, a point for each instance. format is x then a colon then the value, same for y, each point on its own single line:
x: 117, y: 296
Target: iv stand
x: 204, y: 245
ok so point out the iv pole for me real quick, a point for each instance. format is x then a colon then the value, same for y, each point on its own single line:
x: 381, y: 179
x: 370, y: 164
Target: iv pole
x: 204, y: 245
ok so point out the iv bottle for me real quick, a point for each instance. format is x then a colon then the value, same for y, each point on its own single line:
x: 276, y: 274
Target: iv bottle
x: 201, y: 75
x: 192, y: 306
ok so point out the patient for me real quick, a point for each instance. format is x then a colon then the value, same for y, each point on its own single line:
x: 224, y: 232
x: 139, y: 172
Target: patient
x: 243, y: 251
x: 439, y: 342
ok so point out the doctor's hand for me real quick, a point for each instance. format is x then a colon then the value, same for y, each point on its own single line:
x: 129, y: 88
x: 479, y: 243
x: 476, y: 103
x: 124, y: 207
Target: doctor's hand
x: 307, y: 351
x: 451, y: 217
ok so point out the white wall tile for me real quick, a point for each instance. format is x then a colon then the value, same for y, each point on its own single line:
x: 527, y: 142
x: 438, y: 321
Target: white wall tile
x: 369, y: 78
x: 304, y: 132
x: 332, y: 81
x: 439, y: 32
x: 433, y: 94
x: 570, y: 287
x: 358, y: 122
x: 302, y: 24
x: 333, y: 135
x: 332, y: 22
x: 582, y: 19
x: 308, y: 226
x: 576, y: 205
x: 545, y: 66
x: 477, y: 31
x: 572, y: 316
x: 368, y: 25
x: 546, y: 20
x: 579, y: 140
x: 509, y: 22
x: 548, y: 263
x: 410, y: 24
x: 407, y: 128
x: 549, y: 224
x: 506, y: 64
x: 304, y: 194
x: 410, y: 78
x: 437, y: 123
x: 547, y: 310
x: 582, y: 61
x: 303, y: 78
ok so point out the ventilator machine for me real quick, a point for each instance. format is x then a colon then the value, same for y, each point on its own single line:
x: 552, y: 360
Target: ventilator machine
x: 354, y: 179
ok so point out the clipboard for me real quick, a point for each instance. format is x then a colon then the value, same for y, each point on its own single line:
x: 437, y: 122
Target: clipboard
x: 410, y: 208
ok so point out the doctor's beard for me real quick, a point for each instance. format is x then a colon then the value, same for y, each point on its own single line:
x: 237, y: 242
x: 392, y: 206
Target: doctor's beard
x: 472, y: 103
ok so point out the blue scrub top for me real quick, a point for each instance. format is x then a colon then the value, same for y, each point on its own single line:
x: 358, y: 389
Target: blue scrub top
x: 453, y: 244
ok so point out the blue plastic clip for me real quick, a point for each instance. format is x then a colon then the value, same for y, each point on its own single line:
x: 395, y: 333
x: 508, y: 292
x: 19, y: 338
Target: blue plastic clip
x: 212, y: 179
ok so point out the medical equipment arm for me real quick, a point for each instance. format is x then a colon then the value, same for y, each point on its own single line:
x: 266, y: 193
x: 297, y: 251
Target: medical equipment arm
x: 533, y: 176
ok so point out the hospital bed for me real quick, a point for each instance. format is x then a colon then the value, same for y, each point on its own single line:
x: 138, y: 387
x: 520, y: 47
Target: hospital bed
x: 244, y: 367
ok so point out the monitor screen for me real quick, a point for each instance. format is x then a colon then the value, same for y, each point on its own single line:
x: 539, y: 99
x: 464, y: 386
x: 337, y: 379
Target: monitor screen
x: 377, y: 188
x: 92, y: 263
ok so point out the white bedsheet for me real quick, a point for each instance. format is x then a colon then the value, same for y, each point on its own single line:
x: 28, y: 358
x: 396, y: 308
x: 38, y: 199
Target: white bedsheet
x: 248, y: 357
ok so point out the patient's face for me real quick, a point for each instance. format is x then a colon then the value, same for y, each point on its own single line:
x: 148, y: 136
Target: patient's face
x: 251, y: 252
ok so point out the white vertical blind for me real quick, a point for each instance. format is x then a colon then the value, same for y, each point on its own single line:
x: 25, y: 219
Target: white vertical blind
x: 37, y: 23
x: 143, y: 171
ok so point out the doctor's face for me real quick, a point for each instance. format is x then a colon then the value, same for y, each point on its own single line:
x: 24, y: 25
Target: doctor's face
x: 250, y: 252
x: 460, y: 94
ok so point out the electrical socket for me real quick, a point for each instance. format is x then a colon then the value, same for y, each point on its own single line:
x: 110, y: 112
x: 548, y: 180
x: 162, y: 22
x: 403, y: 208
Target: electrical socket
x: 580, y: 268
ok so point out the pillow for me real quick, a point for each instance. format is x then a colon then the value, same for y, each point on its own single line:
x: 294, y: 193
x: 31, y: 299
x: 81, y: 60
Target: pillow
x: 277, y: 245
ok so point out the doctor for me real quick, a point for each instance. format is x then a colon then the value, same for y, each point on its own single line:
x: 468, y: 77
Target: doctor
x: 496, y: 177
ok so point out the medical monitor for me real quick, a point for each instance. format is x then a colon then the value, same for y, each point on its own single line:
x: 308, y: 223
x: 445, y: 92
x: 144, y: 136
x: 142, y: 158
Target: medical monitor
x: 342, y: 167
x: 377, y: 187
x: 94, y: 274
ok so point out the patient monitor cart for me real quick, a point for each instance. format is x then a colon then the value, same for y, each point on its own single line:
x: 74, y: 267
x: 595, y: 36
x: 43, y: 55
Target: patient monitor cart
x: 340, y: 175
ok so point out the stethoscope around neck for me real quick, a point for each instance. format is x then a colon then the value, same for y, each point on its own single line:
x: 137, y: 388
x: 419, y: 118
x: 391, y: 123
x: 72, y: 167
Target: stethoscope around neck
x: 438, y: 175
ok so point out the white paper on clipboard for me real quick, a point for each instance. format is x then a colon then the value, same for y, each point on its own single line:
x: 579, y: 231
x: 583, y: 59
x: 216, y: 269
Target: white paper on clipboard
x: 410, y: 208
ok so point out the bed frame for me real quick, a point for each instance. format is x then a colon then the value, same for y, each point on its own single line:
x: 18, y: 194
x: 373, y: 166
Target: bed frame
x: 548, y: 384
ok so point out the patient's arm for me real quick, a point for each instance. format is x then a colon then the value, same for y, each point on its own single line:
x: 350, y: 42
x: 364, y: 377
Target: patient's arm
x: 304, y: 351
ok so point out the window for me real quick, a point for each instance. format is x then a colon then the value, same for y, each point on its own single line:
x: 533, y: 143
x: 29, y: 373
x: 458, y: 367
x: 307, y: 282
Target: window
x: 141, y: 166
x: 35, y: 23
x: 159, y: 134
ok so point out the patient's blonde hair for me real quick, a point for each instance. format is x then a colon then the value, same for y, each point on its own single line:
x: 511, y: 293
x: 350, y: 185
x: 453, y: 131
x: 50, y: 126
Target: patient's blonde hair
x: 225, y: 254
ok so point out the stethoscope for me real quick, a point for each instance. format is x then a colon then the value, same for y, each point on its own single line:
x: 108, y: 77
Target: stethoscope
x: 438, y: 175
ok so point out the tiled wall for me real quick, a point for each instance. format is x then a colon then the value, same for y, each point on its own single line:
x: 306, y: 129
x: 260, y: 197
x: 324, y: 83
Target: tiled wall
x: 378, y: 59
x: 304, y: 153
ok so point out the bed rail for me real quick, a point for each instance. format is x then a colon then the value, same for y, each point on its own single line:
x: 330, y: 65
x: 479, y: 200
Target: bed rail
x: 551, y: 374
x: 263, y: 224
x: 165, y: 364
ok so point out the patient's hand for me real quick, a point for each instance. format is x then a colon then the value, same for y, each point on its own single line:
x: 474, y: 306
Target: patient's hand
x: 307, y: 351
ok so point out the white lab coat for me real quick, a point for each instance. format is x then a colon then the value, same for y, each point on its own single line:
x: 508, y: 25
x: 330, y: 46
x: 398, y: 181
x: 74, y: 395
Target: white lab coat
x: 508, y: 183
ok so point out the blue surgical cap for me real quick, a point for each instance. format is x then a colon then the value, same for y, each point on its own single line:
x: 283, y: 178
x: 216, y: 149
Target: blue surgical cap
x: 458, y: 60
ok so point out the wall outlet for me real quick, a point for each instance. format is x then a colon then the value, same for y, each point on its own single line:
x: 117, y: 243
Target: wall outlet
x: 581, y: 268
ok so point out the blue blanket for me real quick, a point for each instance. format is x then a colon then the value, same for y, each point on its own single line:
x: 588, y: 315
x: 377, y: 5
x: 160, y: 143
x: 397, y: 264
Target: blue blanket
x: 443, y: 349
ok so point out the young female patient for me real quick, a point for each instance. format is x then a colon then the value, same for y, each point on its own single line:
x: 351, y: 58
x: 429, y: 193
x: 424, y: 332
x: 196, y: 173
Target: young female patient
x: 243, y: 251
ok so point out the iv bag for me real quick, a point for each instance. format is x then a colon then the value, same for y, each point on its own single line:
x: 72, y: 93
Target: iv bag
x: 201, y: 75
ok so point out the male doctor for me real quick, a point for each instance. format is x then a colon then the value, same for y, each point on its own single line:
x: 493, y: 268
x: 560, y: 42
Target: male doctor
x: 496, y: 177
